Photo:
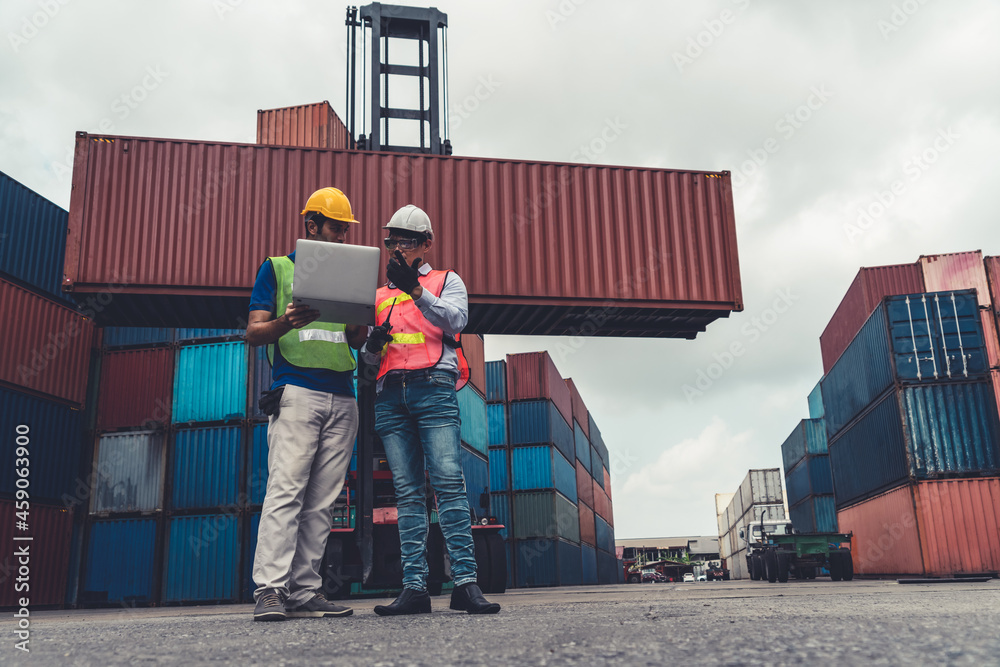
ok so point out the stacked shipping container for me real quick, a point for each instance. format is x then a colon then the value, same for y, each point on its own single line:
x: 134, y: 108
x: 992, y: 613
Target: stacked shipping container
x: 550, y: 480
x: 758, y: 497
x: 44, y: 401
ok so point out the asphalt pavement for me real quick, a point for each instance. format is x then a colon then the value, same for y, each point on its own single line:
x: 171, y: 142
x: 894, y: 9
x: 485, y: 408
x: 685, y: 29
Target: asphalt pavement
x: 705, y: 623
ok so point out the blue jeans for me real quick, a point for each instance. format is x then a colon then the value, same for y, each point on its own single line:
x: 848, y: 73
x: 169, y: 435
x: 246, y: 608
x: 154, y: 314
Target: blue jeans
x: 419, y: 425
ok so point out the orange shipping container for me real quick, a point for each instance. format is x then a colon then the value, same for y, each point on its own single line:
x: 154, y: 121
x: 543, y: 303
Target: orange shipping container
x: 532, y: 375
x: 955, y: 271
x: 584, y: 485
x: 607, y: 482
x: 928, y: 528
x: 475, y: 354
x: 306, y: 125
x: 46, y: 345
x: 588, y: 532
x: 580, y: 413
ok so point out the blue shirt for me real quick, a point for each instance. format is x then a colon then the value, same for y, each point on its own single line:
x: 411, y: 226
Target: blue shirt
x: 265, y: 291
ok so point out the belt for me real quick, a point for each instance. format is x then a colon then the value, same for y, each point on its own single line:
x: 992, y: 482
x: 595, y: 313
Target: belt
x: 413, y: 376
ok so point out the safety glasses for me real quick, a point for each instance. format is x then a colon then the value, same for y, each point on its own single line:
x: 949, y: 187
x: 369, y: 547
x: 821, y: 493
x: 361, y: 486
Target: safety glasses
x: 403, y: 244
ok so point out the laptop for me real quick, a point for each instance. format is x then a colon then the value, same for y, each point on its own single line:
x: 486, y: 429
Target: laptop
x: 337, y: 279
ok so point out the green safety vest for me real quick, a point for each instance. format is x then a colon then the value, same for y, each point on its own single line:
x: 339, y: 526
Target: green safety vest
x: 316, y: 345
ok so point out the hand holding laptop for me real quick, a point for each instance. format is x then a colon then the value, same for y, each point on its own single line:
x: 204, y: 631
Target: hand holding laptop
x: 337, y: 280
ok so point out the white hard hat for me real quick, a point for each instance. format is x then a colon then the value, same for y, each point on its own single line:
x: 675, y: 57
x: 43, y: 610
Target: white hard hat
x: 411, y: 218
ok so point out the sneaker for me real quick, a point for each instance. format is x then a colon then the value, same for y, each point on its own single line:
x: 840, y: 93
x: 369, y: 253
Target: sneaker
x: 318, y: 607
x: 270, y: 607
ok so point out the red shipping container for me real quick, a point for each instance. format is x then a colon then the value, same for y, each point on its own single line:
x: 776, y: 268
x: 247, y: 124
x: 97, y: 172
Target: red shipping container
x: 533, y: 375
x: 992, y: 267
x: 610, y: 518
x: 588, y: 530
x: 600, y: 501
x: 306, y: 125
x: 136, y: 388
x: 929, y: 528
x: 865, y: 293
x: 607, y: 482
x: 580, y: 413
x: 990, y: 338
x: 955, y: 271
x: 46, y: 345
x: 661, y: 244
x: 475, y: 354
x: 584, y: 484
x: 51, y: 530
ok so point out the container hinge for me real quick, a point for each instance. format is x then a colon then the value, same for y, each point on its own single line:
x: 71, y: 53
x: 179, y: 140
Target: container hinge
x: 958, y: 329
x: 944, y: 343
x: 913, y: 338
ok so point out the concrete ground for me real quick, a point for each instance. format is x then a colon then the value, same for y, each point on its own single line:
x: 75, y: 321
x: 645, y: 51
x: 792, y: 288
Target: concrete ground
x: 729, y: 623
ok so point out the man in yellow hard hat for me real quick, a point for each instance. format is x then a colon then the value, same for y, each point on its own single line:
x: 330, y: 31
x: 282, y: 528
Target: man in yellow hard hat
x: 313, y: 421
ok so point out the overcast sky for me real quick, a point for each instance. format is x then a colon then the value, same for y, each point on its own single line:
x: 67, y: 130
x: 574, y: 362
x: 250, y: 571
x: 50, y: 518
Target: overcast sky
x: 819, y: 109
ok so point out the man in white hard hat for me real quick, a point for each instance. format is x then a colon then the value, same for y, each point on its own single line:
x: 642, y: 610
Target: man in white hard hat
x: 419, y: 315
x: 313, y: 420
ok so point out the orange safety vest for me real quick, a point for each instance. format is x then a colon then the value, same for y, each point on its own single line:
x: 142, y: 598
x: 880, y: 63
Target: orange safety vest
x: 416, y: 343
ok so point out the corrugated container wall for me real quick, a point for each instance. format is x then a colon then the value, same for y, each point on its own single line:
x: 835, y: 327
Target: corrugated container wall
x: 121, y: 558
x: 816, y: 409
x: 536, y: 422
x: 679, y: 225
x: 547, y: 563
x: 474, y: 428
x: 815, y: 514
x: 930, y: 528
x: 475, y: 355
x: 496, y: 418
x: 588, y: 534
x: 135, y: 388
x: 761, y: 487
x: 189, y: 335
x: 202, y: 559
x: 542, y: 468
x: 476, y: 471
x: 55, y: 441
x: 956, y: 271
x: 128, y: 472
x: 580, y: 414
x: 260, y: 380
x: 809, y: 437
x: 496, y: 381
x: 51, y: 531
x: 917, y: 432
x: 584, y: 484
x: 545, y: 514
x: 257, y: 469
x: 306, y: 125
x: 34, y: 238
x: 868, y: 289
x: 582, y: 444
x: 588, y: 557
x: 46, y: 344
x: 207, y: 467
x: 136, y: 336
x: 722, y: 501
x: 499, y: 475
x: 810, y: 477
x: 210, y: 383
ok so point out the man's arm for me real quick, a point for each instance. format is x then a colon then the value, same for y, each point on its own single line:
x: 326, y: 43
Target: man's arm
x: 264, y: 329
x: 450, y: 311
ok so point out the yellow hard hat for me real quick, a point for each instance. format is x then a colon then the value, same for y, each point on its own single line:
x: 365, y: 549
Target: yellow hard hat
x: 332, y: 203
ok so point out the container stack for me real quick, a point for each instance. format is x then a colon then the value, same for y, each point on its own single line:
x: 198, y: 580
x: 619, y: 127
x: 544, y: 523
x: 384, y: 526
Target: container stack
x: 808, y: 480
x: 911, y: 402
x: 475, y: 430
x: 43, y: 393
x: 758, y: 497
x: 550, y: 480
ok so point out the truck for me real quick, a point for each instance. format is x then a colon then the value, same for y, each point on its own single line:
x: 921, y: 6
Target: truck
x: 776, y: 551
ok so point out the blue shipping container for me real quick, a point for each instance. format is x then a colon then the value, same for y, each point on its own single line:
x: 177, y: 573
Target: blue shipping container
x: 202, y: 560
x: 811, y: 477
x: 257, y: 470
x: 498, y: 470
x: 582, y: 445
x: 472, y: 411
x: 816, y: 410
x: 207, y: 464
x: 55, y: 441
x: 136, y: 336
x: 538, y: 422
x: 542, y: 467
x: 260, y: 380
x: 121, y: 557
x: 814, y: 514
x: 597, y: 466
x: 912, y: 338
x: 546, y: 562
x: 500, y: 508
x: 605, y: 535
x: 496, y: 381
x: 34, y: 243
x: 607, y: 568
x: 210, y: 383
x: 809, y: 437
x: 187, y: 335
x: 496, y: 416
x: 588, y: 559
x: 917, y: 432
x: 249, y: 550
x: 477, y: 482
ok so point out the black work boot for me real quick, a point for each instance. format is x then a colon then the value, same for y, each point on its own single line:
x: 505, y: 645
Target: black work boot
x: 408, y: 602
x: 468, y: 597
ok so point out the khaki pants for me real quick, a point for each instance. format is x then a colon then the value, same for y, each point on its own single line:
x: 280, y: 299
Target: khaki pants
x: 309, y: 450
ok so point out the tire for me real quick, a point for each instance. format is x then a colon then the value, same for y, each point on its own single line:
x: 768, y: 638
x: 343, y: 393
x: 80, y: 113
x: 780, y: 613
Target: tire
x: 634, y: 579
x: 783, y: 560
x: 725, y: 577
x: 771, y: 565
x: 758, y: 567
x: 835, y: 565
x: 498, y: 563
x: 847, y: 566
x: 750, y: 568
x: 482, y: 552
